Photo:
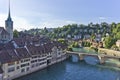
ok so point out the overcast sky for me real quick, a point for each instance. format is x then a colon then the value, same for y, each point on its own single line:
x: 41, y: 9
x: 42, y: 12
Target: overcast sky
x: 28, y: 14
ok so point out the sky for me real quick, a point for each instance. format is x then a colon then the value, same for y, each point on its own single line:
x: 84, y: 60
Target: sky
x: 28, y: 14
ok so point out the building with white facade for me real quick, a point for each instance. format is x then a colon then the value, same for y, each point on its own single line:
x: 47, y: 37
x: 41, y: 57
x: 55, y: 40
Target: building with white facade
x: 22, y: 56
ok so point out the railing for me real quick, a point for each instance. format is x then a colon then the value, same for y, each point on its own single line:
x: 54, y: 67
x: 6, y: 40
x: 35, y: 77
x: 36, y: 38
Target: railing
x: 102, y: 55
x: 83, y: 50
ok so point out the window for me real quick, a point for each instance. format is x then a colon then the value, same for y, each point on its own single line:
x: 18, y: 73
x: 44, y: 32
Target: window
x: 34, y: 57
x: 42, y: 63
x: 33, y: 66
x: 33, y: 61
x: 22, y: 70
x: 17, y: 67
x: 11, y: 69
x: 26, y: 60
x: 23, y: 65
x: 2, y: 36
x: 37, y: 64
x: 10, y: 64
x: 27, y: 69
x: 5, y: 36
x: 21, y: 61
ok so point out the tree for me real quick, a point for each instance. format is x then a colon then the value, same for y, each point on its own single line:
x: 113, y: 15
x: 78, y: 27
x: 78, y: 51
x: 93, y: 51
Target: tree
x: 109, y: 41
x: 15, y: 34
x: 117, y: 35
x: 113, y: 26
x: 45, y: 30
x: 93, y: 36
x: 75, y: 45
x: 62, y: 41
x: 114, y: 47
x: 69, y: 49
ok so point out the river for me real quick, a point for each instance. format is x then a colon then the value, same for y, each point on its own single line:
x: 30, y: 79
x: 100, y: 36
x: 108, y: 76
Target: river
x: 74, y: 70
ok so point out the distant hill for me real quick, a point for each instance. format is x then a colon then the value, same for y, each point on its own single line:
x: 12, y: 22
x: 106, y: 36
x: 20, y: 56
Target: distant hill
x: 78, y: 31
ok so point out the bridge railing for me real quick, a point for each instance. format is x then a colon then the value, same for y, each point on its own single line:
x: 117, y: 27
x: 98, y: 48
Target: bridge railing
x: 83, y: 50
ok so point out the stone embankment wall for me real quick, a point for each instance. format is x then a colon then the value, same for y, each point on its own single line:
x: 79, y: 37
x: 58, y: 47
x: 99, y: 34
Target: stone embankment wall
x: 109, y: 52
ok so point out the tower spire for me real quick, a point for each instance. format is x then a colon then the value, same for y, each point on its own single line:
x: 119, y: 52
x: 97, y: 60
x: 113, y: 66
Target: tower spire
x: 9, y: 23
x: 9, y: 16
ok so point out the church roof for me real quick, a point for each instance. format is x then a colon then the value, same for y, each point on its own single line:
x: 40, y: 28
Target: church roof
x: 3, y: 31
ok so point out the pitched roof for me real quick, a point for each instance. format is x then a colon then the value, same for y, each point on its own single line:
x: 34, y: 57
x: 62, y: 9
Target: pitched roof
x: 19, y: 41
x: 5, y: 57
x: 14, y: 56
x: 22, y: 53
x: 34, y: 50
x: 9, y: 53
x: 3, y: 31
x: 9, y: 45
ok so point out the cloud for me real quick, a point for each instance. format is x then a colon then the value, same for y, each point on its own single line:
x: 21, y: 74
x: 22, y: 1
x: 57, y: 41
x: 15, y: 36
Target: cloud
x: 2, y: 20
x: 21, y: 23
x: 55, y: 23
x: 102, y: 18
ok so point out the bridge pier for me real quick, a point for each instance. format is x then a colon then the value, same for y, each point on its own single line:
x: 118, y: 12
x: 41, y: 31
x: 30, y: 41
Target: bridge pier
x: 101, y: 59
x: 81, y: 57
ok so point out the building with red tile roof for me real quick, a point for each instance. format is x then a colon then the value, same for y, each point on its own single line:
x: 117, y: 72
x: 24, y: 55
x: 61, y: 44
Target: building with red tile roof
x: 25, y: 55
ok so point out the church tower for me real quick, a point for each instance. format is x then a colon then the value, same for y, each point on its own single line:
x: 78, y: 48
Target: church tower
x: 9, y: 24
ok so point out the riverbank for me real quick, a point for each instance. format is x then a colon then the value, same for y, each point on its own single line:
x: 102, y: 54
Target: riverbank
x: 57, y: 60
x: 108, y: 52
x: 68, y: 70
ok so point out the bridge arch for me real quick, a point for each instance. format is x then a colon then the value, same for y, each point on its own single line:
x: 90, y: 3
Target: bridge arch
x: 74, y: 57
x: 101, y: 57
x: 82, y: 56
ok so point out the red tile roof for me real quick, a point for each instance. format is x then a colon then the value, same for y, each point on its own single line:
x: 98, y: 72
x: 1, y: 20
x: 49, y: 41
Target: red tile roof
x: 9, y: 53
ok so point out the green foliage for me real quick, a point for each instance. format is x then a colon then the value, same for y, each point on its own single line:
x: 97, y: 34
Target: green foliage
x: 75, y: 45
x: 15, y: 34
x: 117, y: 35
x: 114, y: 47
x: 45, y: 30
x: 62, y: 41
x: 115, y: 30
x: 69, y: 49
x: 95, y: 49
x: 72, y: 30
x: 109, y: 41
x: 93, y: 36
x: 86, y: 44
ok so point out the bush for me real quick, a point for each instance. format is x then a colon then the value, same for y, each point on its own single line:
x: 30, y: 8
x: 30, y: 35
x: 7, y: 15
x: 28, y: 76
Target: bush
x: 114, y: 47
x: 96, y: 49
x: 69, y: 49
x: 86, y: 44
x: 75, y: 45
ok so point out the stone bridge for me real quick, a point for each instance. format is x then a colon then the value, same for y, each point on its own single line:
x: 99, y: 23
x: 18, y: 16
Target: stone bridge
x: 101, y: 57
